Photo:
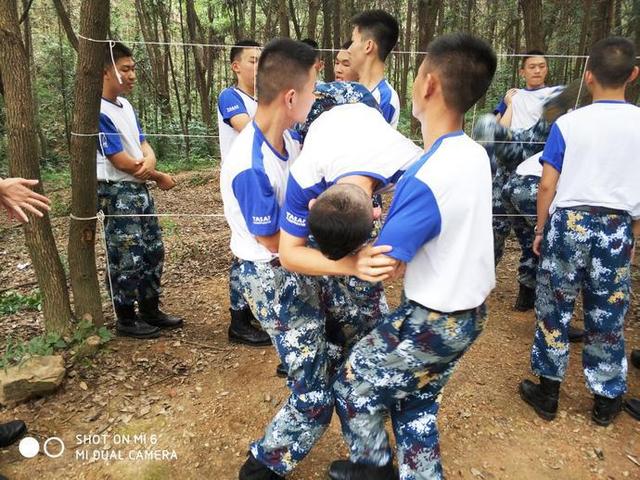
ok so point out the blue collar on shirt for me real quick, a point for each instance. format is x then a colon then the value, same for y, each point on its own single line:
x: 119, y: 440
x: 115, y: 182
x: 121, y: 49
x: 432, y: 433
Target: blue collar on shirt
x: 245, y: 93
x: 262, y: 138
x: 116, y: 103
x: 610, y: 101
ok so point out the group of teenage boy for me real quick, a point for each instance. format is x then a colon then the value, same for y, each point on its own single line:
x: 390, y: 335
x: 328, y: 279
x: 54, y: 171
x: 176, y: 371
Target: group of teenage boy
x: 302, y: 167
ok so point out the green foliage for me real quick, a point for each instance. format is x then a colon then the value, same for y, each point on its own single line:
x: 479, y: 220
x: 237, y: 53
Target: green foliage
x: 17, y: 350
x: 12, y: 302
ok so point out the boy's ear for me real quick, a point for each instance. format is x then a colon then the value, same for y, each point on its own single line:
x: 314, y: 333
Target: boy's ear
x: 588, y: 77
x: 289, y: 98
x: 312, y: 203
x: 429, y: 85
x: 235, y: 67
x: 369, y: 46
x: 634, y: 74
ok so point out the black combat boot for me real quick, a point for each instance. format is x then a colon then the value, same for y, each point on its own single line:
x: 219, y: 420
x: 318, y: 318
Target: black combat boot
x: 129, y: 325
x: 635, y: 358
x: 242, y: 331
x: 149, y: 312
x: 11, y: 432
x: 347, y: 470
x: 576, y: 335
x: 526, y: 299
x: 632, y: 407
x: 543, y: 396
x: 605, y: 409
x: 254, y: 470
x: 281, y: 371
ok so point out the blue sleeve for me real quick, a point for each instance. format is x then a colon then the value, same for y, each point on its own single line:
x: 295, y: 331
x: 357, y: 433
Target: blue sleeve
x: 388, y: 112
x: 413, y: 220
x: 500, y: 108
x: 230, y: 104
x: 554, y: 149
x: 293, y: 218
x: 110, y: 142
x: 258, y: 202
x: 140, y: 132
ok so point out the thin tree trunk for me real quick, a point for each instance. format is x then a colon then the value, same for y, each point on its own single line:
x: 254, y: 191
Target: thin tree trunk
x: 23, y: 162
x: 314, y: 7
x: 294, y: 19
x: 63, y: 87
x: 283, y: 19
x: 252, y: 22
x: 66, y: 23
x: 584, y: 31
x: 602, y: 20
x: 94, y: 23
x: 532, y: 17
x: 327, y: 12
x: 406, y: 58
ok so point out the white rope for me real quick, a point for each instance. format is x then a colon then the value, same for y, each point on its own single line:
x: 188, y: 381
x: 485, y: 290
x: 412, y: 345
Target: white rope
x: 115, y: 69
x: 224, y: 45
x: 128, y: 215
x: 584, y: 69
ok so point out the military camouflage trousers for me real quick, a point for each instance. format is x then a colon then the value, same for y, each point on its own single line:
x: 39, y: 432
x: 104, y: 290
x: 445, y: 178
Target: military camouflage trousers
x: 134, y: 244
x: 402, y: 366
x: 519, y: 195
x: 589, y: 252
x: 289, y: 308
x: 236, y: 299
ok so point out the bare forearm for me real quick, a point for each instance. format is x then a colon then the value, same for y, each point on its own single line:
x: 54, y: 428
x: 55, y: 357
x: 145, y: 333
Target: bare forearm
x: 545, y: 197
x: 505, y: 120
x: 636, y: 229
x: 309, y: 261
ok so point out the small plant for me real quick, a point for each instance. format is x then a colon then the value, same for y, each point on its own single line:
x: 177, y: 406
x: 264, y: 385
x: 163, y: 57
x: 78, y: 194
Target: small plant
x: 12, y: 302
x: 17, y: 350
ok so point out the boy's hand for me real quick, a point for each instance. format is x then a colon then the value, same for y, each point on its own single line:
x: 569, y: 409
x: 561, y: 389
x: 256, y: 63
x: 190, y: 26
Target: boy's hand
x: 372, y: 265
x: 143, y: 172
x: 508, y: 97
x: 537, y: 242
x: 165, y: 181
x: 16, y: 196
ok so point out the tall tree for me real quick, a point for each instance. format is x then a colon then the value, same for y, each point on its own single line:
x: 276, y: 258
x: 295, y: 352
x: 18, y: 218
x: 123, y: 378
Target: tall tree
x: 23, y: 162
x: 531, y: 17
x: 312, y: 25
x: 66, y: 23
x: 94, y: 23
x: 327, y: 13
x: 283, y: 18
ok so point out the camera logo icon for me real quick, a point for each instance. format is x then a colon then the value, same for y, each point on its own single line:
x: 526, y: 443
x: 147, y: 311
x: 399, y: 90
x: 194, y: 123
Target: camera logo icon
x: 53, y: 447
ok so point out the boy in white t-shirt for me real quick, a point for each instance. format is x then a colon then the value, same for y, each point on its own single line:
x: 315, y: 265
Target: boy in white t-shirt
x: 439, y: 226
x: 588, y: 211
x: 236, y: 108
x: 375, y: 33
x: 253, y: 181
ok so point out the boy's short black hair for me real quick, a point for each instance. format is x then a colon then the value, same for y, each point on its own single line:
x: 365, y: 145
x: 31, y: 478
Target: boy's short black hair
x: 240, y: 47
x: 346, y: 45
x: 380, y: 26
x: 341, y: 220
x: 466, y: 65
x: 313, y: 44
x: 611, y: 61
x: 120, y: 50
x: 284, y: 64
x: 530, y: 54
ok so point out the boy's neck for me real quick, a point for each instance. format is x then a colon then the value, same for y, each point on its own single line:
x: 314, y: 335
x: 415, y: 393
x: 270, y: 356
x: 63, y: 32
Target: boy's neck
x: 439, y: 122
x: 248, y: 89
x: 372, y: 73
x: 109, y: 94
x: 272, y: 122
x: 601, y: 93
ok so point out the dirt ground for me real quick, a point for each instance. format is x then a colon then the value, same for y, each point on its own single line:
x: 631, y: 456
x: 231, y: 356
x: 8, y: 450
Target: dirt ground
x: 188, y: 404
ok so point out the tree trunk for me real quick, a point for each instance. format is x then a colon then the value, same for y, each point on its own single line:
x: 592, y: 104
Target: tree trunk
x: 633, y: 92
x: 327, y: 12
x: 23, y: 162
x: 94, y: 23
x: 294, y: 19
x: 584, y: 30
x: 602, y: 20
x: 405, y: 57
x: 66, y: 23
x: 252, y: 21
x: 312, y: 26
x: 283, y: 19
x: 532, y: 17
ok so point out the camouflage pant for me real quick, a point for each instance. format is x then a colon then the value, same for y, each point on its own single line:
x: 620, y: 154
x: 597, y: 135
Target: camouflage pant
x: 588, y: 252
x: 519, y: 197
x: 236, y: 299
x: 402, y: 366
x: 289, y: 308
x: 134, y: 244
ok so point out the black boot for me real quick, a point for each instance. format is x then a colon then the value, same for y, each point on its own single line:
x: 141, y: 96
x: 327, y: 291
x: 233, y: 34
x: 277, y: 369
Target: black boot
x: 129, y: 325
x: 526, y: 299
x: 11, y: 432
x: 254, y: 470
x: 281, y: 371
x: 242, y: 331
x: 635, y: 358
x: 347, y: 470
x: 543, y: 396
x: 605, y: 409
x: 632, y: 407
x: 576, y: 335
x: 149, y: 312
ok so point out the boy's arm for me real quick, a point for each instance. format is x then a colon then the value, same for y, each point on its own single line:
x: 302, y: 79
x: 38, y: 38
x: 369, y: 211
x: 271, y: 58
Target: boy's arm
x: 148, y: 155
x: 238, y: 122
x: 233, y: 110
x: 270, y: 242
x: 297, y: 257
x: 551, y: 159
x: 636, y: 229
x: 505, y: 118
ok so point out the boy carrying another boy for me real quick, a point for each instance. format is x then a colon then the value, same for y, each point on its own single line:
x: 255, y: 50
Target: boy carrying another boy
x: 439, y: 224
x: 588, y: 209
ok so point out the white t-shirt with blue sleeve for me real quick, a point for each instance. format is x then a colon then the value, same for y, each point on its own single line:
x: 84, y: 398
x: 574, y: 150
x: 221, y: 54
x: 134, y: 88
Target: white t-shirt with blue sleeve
x: 119, y: 130
x: 347, y: 140
x: 596, y: 149
x: 253, y: 185
x: 231, y: 102
x: 440, y: 223
x: 389, y: 102
x: 527, y: 105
